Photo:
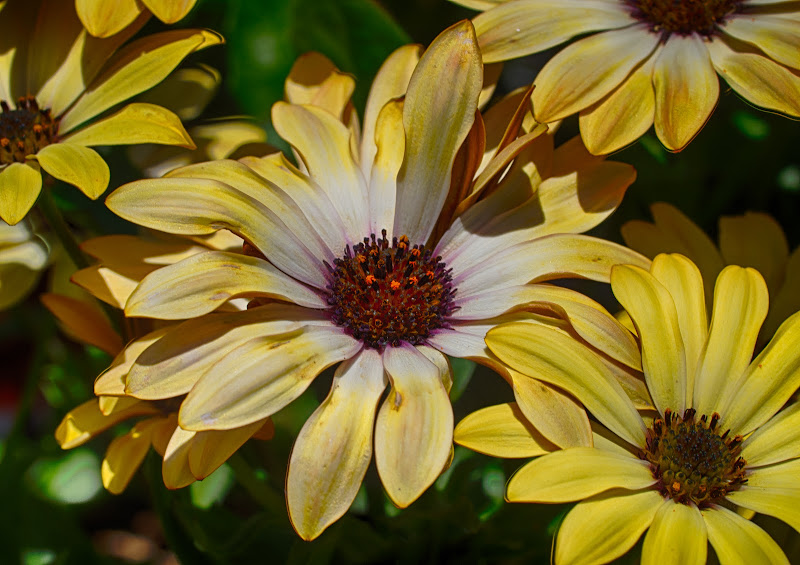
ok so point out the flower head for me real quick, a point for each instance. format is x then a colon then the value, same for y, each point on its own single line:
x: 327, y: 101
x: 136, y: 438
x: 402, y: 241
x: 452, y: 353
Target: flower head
x: 54, y: 78
x: 718, y: 439
x: 647, y: 61
x: 389, y: 247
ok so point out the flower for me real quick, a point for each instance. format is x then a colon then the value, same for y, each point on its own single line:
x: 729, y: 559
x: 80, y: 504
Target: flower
x: 753, y: 239
x: 717, y: 440
x: 23, y: 255
x: 348, y: 262
x: 650, y: 61
x: 104, y: 19
x: 54, y: 78
x: 187, y: 456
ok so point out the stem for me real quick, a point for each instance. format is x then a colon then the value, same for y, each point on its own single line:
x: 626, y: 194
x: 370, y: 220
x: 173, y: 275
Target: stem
x: 258, y: 489
x: 55, y: 220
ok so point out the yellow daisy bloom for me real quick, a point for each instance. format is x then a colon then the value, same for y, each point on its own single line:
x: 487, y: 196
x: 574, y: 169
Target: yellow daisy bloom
x: 753, y: 239
x: 717, y: 442
x: 349, y: 264
x: 647, y: 61
x: 187, y: 456
x: 23, y: 256
x: 54, y: 78
x: 102, y: 18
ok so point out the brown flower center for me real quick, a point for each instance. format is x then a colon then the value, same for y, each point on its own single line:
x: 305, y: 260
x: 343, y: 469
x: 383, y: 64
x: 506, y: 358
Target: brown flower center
x: 25, y: 130
x: 692, y: 461
x: 684, y: 16
x: 385, y: 292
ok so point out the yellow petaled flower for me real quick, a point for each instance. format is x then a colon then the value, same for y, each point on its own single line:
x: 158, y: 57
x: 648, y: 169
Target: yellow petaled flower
x: 347, y: 262
x: 54, y: 78
x: 754, y: 239
x: 187, y: 456
x: 102, y: 18
x: 23, y: 255
x: 650, y: 60
x: 718, y: 446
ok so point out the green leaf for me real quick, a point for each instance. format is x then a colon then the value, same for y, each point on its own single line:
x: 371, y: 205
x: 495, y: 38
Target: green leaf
x: 750, y: 125
x: 213, y: 489
x: 73, y: 478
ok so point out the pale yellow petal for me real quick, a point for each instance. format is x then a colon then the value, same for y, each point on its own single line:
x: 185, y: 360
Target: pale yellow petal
x: 677, y: 536
x: 20, y: 184
x: 105, y: 284
x: 212, y: 448
x: 389, y: 142
x: 169, y: 11
x: 86, y: 421
x: 782, y: 503
x: 175, y: 468
x: 331, y: 455
x: 103, y: 19
x: 83, y: 322
x: 125, y: 454
x: 738, y: 541
x: 112, y: 380
x: 577, y: 473
x: 775, y: 35
x: 77, y: 165
x: 135, y: 123
x: 777, y: 440
x: 501, y: 431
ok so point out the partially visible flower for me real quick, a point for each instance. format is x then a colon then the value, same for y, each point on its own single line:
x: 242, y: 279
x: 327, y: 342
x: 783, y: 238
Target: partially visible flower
x: 716, y: 442
x: 188, y: 456
x: 103, y: 18
x: 54, y: 78
x: 23, y: 256
x: 390, y: 246
x: 754, y: 239
x: 647, y: 61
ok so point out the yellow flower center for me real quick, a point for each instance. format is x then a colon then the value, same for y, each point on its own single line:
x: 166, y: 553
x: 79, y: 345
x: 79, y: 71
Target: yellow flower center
x: 684, y: 16
x: 692, y: 461
x: 25, y: 130
x: 384, y: 292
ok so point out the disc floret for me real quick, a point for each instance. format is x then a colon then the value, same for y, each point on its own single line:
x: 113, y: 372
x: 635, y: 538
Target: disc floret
x: 684, y: 16
x: 384, y: 293
x: 25, y: 130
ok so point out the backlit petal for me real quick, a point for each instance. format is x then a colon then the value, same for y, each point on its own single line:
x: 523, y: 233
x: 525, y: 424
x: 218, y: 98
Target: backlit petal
x: 20, y: 184
x: 135, y: 123
x: 501, y: 431
x: 86, y: 421
x: 677, y: 536
x: 212, y: 448
x: 83, y: 322
x: 738, y: 541
x: 103, y: 19
x: 175, y: 468
x: 77, y: 165
x: 125, y: 454
x: 169, y: 11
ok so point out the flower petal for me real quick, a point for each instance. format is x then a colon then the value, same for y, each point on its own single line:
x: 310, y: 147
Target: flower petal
x: 137, y: 67
x: 553, y: 356
x: 112, y: 380
x: 775, y: 35
x: 389, y: 143
x: 260, y: 377
x: 605, y: 526
x: 686, y: 88
x: 517, y: 28
x: 757, y: 78
x: 199, y: 284
x: 77, y: 165
x: 652, y: 309
x: 740, y: 306
x: 738, y: 541
x: 782, y: 503
x: 577, y: 473
x: 414, y: 428
x: 453, y: 59
x: 331, y: 455
x: 210, y: 449
x: 584, y: 72
x: 135, y: 123
x: 125, y: 454
x: 83, y: 322
x: 20, y: 184
x: 779, y: 475
x: 104, y: 19
x: 169, y: 11
x: 768, y: 383
x: 676, y: 536
x: 501, y: 431
x: 777, y: 440
x: 175, y: 468
x: 87, y: 420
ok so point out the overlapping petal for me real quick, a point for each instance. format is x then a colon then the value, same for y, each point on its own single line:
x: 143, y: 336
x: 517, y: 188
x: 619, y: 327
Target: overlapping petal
x: 674, y: 521
x: 501, y: 431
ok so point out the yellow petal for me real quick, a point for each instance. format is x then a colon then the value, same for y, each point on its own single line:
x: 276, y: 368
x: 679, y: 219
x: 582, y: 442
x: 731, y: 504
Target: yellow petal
x: 137, y: 67
x: 738, y: 541
x: 577, y: 473
x: 677, y: 536
x: 111, y: 404
x: 105, y: 284
x: 777, y: 440
x: 740, y: 306
x: 77, y: 165
x: 169, y: 11
x: 211, y: 449
x: 388, y: 158
x: 652, y: 309
x: 315, y: 80
x: 55, y: 29
x: 20, y: 184
x: 501, y: 431
x: 257, y: 379
x: 686, y: 88
x: 782, y: 503
x: 175, y: 468
x: 187, y: 92
x: 555, y: 357
x: 84, y: 322
x: 605, y: 526
x: 86, y: 421
x: 112, y: 380
x: 201, y: 283
x: 776, y: 35
x: 757, y: 78
x: 135, y: 123
x: 778, y: 475
x: 453, y: 58
x: 587, y: 70
x: 125, y: 454
x: 623, y: 115
x: 103, y: 19
x: 331, y: 455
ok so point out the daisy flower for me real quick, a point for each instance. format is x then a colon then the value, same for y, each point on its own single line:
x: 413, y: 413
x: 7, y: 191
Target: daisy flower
x: 717, y: 446
x: 54, y: 78
x: 103, y: 19
x: 754, y: 239
x: 349, y: 246
x: 647, y: 61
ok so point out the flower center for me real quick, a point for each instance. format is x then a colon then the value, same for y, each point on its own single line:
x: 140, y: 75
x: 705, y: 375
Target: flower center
x: 692, y: 461
x: 384, y: 293
x: 25, y: 130
x: 684, y: 16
